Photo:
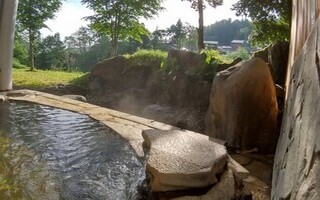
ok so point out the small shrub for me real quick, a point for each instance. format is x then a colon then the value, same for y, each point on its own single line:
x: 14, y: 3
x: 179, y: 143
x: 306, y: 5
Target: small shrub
x: 213, y: 60
x: 239, y: 53
x: 147, y: 57
x: 170, y: 65
x: 215, y: 56
x: 17, y: 65
x: 209, y: 71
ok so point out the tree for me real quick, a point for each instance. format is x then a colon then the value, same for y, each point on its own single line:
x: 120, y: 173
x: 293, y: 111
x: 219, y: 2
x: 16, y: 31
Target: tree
x: 179, y: 34
x: 199, y: 5
x: 82, y: 39
x: 96, y: 53
x: 182, y: 35
x: 118, y: 19
x: 51, y: 52
x: 191, y: 41
x: 271, y: 19
x: 20, y: 51
x: 31, y: 17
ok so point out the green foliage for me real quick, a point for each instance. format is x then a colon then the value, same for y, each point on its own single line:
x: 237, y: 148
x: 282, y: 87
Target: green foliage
x: 239, y: 53
x: 170, y: 66
x: 214, y: 56
x: 157, y: 38
x: 97, y: 52
x: 17, y: 65
x: 266, y: 32
x: 179, y: 34
x: 31, y: 17
x: 51, y: 53
x: 271, y: 19
x: 118, y: 19
x: 83, y: 39
x: 192, y: 39
x: 33, y: 13
x: 209, y: 71
x: 147, y: 57
x: 226, y: 30
x: 20, y: 52
x: 182, y: 36
x: 213, y: 60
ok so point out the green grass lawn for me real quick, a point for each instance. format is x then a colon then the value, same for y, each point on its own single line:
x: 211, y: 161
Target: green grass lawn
x: 22, y: 78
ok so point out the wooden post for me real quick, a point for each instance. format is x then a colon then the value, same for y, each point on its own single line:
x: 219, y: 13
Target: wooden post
x: 304, y: 15
x: 8, y: 12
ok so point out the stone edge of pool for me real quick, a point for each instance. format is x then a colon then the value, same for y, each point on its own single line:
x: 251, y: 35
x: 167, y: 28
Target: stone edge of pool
x: 129, y: 127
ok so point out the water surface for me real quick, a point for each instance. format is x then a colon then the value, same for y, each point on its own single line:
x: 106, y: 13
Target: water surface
x: 49, y: 153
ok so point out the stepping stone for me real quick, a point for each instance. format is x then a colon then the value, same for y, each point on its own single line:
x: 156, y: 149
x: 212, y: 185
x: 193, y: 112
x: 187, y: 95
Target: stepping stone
x: 180, y: 160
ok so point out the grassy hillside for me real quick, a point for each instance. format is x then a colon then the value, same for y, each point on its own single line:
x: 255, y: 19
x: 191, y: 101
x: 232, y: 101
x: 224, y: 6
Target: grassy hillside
x: 40, y: 79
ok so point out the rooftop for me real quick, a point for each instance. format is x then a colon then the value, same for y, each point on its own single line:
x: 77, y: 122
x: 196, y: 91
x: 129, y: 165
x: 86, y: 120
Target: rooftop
x: 237, y: 42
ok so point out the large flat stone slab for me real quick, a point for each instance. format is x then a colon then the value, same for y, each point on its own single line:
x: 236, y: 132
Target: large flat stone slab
x: 182, y: 159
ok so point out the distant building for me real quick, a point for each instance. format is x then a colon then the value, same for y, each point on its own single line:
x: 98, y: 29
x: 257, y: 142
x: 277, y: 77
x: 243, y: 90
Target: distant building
x: 235, y: 44
x: 211, y: 44
x: 225, y: 49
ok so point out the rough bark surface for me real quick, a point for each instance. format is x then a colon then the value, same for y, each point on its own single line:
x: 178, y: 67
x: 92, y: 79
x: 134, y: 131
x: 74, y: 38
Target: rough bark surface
x: 296, y: 173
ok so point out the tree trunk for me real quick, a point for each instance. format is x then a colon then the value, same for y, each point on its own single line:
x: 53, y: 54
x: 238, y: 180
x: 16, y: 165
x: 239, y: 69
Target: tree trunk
x: 31, y: 53
x: 200, y: 29
x: 114, y: 47
x: 115, y: 35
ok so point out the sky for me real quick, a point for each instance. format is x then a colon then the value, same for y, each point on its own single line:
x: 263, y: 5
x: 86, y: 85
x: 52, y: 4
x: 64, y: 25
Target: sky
x: 69, y: 18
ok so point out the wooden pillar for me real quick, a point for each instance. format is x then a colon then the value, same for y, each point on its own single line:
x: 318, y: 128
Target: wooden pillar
x: 8, y: 12
x: 304, y: 15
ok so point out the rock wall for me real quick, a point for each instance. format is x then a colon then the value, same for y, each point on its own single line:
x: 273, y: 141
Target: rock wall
x: 276, y: 55
x: 119, y: 73
x: 186, y: 61
x: 296, y: 173
x: 124, y: 85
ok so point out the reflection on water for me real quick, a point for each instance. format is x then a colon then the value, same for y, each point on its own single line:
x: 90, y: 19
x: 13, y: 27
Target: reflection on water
x: 48, y: 153
x: 22, y: 176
